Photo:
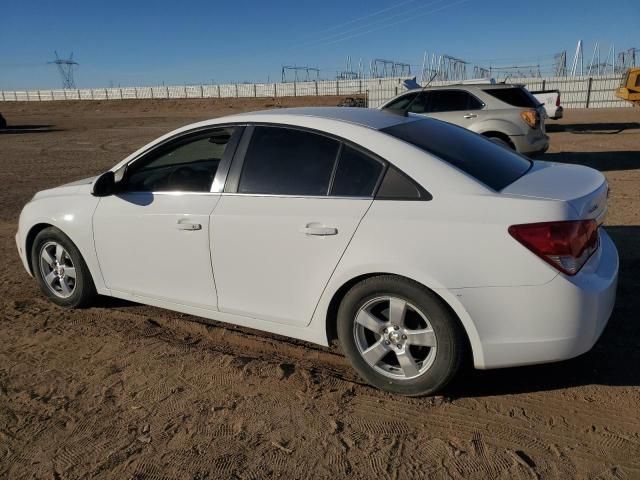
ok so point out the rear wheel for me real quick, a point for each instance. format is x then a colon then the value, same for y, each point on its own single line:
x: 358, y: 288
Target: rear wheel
x: 399, y: 336
x: 60, y: 269
x: 502, y: 142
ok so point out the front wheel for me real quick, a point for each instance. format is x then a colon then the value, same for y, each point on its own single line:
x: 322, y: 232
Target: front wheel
x: 60, y: 269
x: 399, y: 336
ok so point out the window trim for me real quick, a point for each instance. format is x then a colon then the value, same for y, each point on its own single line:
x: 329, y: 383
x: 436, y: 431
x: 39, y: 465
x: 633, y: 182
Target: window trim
x: 233, y: 160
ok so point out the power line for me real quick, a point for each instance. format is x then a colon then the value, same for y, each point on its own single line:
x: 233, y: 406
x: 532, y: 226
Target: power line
x: 396, y: 23
x: 374, y: 23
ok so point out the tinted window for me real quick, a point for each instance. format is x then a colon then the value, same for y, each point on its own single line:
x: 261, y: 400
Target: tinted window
x: 515, y: 96
x: 453, y: 100
x: 491, y: 164
x: 282, y: 161
x: 357, y: 174
x: 188, y: 165
x: 418, y: 106
x: 395, y: 185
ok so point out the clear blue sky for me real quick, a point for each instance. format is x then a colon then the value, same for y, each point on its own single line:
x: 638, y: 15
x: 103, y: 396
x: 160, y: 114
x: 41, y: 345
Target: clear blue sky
x: 142, y: 43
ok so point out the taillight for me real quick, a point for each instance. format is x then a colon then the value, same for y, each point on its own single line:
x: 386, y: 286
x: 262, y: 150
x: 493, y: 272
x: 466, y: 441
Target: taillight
x: 531, y: 118
x: 565, y: 245
x: 558, y: 100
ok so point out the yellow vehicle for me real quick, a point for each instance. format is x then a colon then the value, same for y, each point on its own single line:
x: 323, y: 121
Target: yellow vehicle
x: 629, y: 89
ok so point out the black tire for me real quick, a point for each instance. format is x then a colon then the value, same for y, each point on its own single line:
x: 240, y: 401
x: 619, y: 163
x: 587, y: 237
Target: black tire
x: 502, y: 142
x: 450, y: 337
x: 3, y: 122
x: 83, y: 291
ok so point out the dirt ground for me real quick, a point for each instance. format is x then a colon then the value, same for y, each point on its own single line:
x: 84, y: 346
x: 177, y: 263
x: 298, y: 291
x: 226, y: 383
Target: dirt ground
x: 133, y: 392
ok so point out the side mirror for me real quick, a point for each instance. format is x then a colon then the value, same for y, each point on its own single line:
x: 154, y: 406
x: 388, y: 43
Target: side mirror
x: 105, y: 185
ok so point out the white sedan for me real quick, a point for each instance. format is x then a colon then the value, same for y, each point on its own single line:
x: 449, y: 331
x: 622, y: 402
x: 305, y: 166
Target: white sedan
x: 411, y: 241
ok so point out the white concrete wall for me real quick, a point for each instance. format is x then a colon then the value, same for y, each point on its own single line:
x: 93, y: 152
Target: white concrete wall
x: 574, y: 91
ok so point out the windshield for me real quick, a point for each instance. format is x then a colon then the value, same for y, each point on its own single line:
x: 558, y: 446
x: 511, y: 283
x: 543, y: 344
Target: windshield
x: 487, y: 162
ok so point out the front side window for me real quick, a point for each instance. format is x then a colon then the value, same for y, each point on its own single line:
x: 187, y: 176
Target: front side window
x: 452, y: 101
x: 356, y: 175
x: 187, y: 165
x: 418, y: 106
x: 282, y: 161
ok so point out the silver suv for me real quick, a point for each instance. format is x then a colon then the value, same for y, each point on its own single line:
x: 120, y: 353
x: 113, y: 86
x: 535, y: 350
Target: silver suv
x: 507, y: 114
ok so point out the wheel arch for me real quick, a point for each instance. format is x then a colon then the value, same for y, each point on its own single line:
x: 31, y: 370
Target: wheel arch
x: 448, y: 300
x: 500, y: 135
x: 30, y: 238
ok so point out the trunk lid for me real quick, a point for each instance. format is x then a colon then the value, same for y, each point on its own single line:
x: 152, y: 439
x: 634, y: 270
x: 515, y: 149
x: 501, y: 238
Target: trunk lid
x: 584, y: 188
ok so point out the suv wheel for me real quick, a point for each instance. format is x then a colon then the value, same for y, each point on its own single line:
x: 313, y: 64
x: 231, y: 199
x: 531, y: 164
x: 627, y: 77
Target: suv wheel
x: 502, y: 142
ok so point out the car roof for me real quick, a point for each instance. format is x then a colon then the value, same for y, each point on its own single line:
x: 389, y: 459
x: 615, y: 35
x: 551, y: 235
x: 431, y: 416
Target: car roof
x: 469, y: 86
x: 367, y: 117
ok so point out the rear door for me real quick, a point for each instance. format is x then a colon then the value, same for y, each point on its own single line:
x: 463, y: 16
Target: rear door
x: 455, y: 106
x: 292, y: 203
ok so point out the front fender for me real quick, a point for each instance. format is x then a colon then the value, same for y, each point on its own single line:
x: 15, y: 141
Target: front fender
x: 72, y: 214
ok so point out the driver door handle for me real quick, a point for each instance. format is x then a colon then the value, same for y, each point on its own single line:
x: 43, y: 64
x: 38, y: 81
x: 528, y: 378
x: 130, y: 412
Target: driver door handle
x: 187, y: 225
x: 470, y: 115
x: 318, y: 230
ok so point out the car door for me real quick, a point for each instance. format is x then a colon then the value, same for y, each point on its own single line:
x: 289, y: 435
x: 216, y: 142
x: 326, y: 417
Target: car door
x: 152, y: 237
x: 455, y: 106
x: 293, y: 201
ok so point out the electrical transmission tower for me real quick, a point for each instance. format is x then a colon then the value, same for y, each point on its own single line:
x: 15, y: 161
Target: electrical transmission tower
x: 303, y: 74
x: 626, y: 59
x: 560, y: 64
x: 65, y: 67
x: 349, y: 73
x: 381, y: 68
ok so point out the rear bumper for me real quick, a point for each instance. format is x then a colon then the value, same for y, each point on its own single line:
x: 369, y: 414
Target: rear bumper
x: 546, y: 323
x: 530, y: 145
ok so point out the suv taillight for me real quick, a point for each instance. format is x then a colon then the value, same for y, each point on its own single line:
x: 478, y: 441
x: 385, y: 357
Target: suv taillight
x: 531, y: 118
x: 558, y: 100
x: 565, y: 245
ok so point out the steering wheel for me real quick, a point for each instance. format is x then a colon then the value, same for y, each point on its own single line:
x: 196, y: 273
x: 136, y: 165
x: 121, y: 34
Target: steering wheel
x: 182, y: 177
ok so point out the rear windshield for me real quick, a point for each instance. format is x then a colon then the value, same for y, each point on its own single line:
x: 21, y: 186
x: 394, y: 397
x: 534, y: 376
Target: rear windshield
x: 515, y: 96
x: 489, y: 163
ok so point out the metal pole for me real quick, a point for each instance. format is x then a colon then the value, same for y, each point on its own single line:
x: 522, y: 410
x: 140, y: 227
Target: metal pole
x: 589, y: 91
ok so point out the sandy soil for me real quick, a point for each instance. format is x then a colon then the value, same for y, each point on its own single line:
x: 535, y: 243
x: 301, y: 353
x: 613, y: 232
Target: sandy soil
x: 133, y: 392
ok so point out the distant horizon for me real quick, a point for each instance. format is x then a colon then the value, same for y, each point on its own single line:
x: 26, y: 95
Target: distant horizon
x: 132, y: 45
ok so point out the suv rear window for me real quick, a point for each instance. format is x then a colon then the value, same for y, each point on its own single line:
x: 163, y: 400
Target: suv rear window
x: 515, y: 96
x: 487, y: 162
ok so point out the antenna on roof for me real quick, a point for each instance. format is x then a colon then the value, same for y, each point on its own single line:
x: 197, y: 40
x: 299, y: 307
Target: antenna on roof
x: 405, y: 111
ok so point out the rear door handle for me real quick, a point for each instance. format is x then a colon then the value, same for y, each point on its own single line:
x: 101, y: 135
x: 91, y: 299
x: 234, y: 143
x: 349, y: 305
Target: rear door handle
x: 318, y: 230
x: 187, y: 225
x: 470, y: 115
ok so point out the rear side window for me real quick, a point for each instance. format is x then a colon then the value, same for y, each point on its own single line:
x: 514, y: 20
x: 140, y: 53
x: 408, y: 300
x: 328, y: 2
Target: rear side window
x: 397, y: 186
x: 283, y: 161
x: 515, y: 96
x: 453, y: 100
x: 357, y: 174
x: 489, y: 163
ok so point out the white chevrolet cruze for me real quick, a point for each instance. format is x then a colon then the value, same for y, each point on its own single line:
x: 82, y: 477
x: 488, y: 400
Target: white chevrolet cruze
x: 411, y: 241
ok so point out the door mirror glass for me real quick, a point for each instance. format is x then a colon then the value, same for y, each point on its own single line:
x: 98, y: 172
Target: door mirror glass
x: 105, y: 185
